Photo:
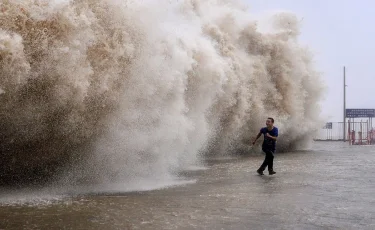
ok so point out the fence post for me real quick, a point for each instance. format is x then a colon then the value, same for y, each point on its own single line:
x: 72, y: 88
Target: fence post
x: 349, y: 132
x: 360, y: 133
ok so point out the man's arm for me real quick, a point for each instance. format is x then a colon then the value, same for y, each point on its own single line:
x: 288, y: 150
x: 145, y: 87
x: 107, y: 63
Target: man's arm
x: 257, y: 137
x: 276, y: 133
x: 272, y: 137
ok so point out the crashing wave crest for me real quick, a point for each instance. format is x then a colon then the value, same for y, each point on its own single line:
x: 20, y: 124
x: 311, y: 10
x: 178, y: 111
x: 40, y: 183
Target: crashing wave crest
x: 130, y: 90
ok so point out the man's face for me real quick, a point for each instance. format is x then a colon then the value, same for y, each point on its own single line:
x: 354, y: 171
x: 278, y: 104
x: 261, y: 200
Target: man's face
x: 269, y: 123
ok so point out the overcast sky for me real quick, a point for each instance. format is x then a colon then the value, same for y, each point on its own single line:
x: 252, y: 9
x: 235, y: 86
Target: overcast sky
x: 340, y: 32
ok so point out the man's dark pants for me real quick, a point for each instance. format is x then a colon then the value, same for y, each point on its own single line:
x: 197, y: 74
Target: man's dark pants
x: 268, y: 161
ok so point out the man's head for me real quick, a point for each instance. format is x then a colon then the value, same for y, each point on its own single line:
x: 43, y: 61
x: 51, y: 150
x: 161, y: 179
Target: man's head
x: 270, y: 122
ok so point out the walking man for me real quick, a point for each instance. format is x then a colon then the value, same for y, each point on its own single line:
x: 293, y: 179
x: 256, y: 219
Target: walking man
x: 270, y: 134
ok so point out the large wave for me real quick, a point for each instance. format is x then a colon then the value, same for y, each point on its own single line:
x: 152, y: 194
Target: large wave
x: 138, y: 90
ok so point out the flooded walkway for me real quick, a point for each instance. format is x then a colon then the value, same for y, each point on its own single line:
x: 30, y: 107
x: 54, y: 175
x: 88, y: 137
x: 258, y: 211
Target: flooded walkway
x: 332, y: 187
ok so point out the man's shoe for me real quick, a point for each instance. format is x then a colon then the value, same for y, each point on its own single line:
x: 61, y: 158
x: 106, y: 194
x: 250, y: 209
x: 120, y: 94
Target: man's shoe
x: 260, y: 172
x: 272, y: 172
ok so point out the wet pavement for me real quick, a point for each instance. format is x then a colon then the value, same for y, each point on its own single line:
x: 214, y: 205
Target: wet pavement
x: 330, y: 187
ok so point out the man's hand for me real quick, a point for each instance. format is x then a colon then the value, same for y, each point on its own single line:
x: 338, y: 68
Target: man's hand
x: 259, y: 134
x: 273, y: 138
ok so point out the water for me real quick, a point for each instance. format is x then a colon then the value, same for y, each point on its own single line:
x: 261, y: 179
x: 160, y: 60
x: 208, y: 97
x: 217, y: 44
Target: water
x: 330, y: 187
x: 98, y: 92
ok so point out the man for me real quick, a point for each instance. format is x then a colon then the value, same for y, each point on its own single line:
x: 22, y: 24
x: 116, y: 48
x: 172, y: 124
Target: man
x: 270, y: 134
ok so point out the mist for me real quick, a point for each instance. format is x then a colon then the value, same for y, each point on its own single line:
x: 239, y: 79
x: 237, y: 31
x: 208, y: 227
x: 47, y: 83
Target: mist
x: 131, y: 92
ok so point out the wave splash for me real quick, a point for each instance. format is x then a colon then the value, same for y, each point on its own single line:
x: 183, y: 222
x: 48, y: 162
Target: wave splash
x: 125, y: 91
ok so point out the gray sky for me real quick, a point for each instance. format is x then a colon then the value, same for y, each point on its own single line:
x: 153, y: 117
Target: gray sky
x: 340, y: 32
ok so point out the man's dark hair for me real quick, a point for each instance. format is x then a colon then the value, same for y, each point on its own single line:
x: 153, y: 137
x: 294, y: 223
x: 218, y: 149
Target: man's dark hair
x: 270, y: 118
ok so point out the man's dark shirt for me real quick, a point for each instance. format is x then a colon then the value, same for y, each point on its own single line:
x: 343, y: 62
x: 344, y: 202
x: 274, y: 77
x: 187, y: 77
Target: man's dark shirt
x: 268, y: 143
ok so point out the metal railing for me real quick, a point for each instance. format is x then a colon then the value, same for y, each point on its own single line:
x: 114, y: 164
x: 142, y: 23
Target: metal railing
x: 358, y: 132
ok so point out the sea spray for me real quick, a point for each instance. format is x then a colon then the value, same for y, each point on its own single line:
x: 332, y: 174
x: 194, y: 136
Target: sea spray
x: 132, y: 91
